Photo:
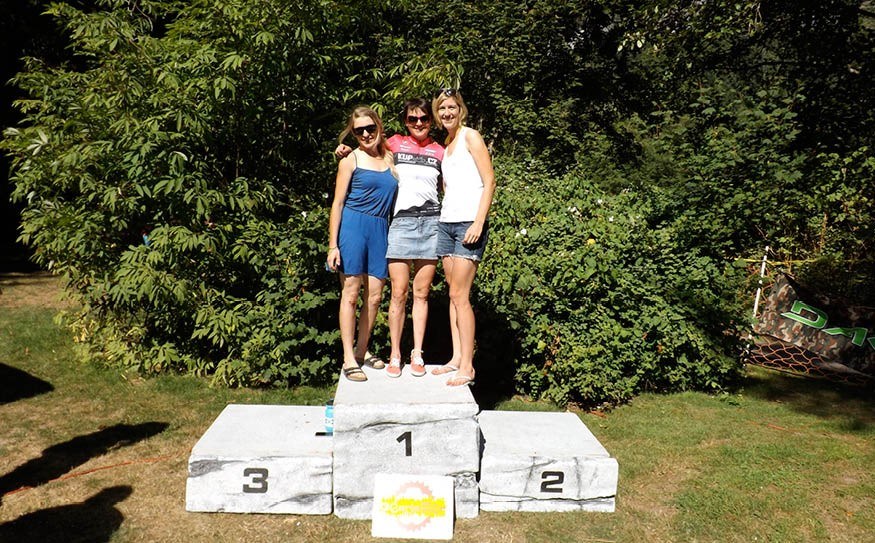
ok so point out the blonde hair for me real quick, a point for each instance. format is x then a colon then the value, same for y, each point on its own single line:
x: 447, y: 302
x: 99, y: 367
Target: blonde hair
x: 444, y: 95
x: 383, y: 147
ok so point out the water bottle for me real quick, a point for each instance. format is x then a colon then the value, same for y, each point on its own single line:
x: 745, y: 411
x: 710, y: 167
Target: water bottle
x: 329, y: 418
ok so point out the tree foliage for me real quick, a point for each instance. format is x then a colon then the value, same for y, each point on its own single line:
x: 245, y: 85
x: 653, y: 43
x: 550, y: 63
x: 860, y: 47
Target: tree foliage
x: 607, y: 301
x: 177, y: 171
x: 162, y: 179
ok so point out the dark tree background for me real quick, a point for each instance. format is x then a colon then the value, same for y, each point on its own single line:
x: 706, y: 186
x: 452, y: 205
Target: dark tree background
x: 22, y: 32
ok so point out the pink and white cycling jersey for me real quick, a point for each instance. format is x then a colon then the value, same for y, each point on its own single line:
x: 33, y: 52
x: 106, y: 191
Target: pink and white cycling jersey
x: 419, y: 169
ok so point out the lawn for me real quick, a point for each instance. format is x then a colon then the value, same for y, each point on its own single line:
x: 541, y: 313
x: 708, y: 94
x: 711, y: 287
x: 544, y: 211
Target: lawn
x: 87, y: 454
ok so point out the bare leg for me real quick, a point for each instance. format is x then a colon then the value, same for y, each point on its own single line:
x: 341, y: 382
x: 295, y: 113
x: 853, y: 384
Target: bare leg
x: 449, y: 263
x: 422, y: 279
x: 372, y: 295
x: 462, y: 277
x: 350, y: 286
x: 399, y: 274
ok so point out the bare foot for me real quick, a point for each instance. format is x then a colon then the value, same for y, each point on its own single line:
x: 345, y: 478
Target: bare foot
x: 461, y: 379
x: 449, y: 367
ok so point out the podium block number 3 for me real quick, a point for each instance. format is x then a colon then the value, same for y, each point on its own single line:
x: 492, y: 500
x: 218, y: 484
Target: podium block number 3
x: 551, y: 481
x: 257, y: 480
x: 407, y: 438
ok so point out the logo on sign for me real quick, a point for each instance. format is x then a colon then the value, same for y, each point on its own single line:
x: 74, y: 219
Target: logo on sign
x: 818, y: 321
x: 413, y: 506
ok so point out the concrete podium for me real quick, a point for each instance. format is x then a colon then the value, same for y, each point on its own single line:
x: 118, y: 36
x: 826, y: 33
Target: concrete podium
x: 262, y: 459
x: 270, y: 458
x: 534, y: 461
x: 415, y: 425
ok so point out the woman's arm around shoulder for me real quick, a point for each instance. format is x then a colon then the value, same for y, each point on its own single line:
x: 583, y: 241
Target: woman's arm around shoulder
x: 342, y: 150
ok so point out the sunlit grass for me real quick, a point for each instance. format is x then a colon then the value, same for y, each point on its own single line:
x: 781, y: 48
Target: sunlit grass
x: 783, y: 459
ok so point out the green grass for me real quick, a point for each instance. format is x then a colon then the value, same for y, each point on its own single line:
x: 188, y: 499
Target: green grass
x: 784, y: 459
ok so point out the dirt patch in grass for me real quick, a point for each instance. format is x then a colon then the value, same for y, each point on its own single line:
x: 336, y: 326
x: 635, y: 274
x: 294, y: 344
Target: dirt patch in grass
x: 848, y: 518
x: 652, y: 497
x: 40, y: 289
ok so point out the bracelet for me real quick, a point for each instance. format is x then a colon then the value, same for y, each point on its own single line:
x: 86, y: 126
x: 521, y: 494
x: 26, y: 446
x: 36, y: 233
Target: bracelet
x: 332, y: 248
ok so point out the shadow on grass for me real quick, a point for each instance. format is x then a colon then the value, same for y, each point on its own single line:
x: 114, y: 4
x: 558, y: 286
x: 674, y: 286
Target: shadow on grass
x: 17, y: 279
x: 16, y: 384
x: 854, y: 407
x: 63, y: 457
x: 93, y: 520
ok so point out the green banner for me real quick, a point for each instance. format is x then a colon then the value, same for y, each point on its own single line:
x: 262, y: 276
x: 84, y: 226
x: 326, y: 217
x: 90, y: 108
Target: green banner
x: 809, y: 332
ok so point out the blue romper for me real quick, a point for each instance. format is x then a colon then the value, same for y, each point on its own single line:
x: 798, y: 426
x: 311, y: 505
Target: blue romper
x: 364, y: 223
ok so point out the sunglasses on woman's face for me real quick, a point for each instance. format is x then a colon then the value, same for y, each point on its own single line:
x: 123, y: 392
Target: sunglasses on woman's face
x: 360, y: 130
x: 413, y: 119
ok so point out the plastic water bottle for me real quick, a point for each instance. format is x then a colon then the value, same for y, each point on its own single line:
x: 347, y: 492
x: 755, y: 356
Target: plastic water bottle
x: 329, y: 418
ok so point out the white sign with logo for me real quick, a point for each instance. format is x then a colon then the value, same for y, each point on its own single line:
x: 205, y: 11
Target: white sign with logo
x: 413, y: 506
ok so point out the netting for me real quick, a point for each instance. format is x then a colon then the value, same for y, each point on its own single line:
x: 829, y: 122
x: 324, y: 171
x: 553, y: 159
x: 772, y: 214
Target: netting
x: 773, y: 353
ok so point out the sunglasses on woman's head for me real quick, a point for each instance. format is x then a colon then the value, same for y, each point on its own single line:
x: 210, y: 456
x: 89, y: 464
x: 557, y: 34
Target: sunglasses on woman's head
x: 360, y: 130
x: 413, y: 119
x: 448, y: 92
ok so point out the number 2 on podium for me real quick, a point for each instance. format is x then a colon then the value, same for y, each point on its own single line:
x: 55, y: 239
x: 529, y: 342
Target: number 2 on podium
x: 551, y: 481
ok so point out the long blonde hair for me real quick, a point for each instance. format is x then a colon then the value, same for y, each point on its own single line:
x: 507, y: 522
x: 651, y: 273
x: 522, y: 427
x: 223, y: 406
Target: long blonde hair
x: 383, y: 147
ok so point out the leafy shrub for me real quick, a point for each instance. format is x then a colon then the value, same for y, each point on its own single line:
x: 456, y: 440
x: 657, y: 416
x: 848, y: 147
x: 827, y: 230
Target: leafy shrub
x: 172, y: 179
x: 177, y: 172
x: 604, y: 302
x: 840, y: 226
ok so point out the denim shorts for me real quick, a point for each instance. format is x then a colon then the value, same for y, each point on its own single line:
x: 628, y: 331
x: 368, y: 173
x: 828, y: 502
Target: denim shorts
x: 450, y: 236
x: 413, y: 238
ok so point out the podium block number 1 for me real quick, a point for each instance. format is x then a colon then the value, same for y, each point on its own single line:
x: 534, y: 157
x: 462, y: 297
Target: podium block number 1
x: 407, y: 438
x: 551, y: 481
x: 257, y: 480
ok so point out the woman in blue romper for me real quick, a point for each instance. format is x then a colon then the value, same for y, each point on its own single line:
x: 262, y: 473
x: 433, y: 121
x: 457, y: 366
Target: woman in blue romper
x: 358, y: 227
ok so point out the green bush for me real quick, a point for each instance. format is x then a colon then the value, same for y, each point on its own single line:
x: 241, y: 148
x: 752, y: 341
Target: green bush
x: 604, y: 302
x: 177, y: 173
x: 171, y: 178
x: 840, y: 226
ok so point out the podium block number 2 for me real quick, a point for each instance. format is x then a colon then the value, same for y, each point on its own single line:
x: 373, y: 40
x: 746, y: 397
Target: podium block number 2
x: 407, y: 438
x: 551, y: 481
x: 257, y: 480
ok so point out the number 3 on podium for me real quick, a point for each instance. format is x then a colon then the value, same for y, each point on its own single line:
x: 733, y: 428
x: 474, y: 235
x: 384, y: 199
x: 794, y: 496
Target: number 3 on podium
x: 258, y: 478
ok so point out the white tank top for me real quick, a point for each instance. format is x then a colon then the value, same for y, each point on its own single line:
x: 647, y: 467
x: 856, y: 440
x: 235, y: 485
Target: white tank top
x: 463, y: 186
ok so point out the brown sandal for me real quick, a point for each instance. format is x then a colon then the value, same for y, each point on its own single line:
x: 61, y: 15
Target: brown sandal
x: 372, y: 361
x: 355, y: 374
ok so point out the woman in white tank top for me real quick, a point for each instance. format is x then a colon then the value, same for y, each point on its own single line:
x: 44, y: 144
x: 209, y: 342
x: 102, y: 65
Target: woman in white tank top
x: 469, y: 183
